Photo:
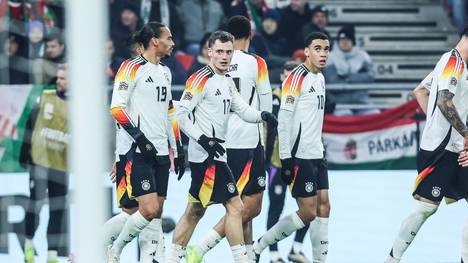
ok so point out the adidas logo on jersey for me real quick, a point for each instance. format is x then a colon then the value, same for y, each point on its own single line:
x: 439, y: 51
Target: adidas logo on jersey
x: 217, y: 92
x: 311, y: 89
x: 149, y: 79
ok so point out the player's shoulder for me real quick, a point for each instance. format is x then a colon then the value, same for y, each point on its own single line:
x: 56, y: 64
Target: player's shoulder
x: 205, y: 72
x: 199, y: 78
x: 299, y: 71
x: 452, y: 56
x: 133, y: 64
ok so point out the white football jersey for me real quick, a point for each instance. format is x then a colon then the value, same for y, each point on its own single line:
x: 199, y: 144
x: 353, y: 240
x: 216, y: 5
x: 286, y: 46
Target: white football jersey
x: 450, y: 73
x: 250, y: 74
x: 209, y: 97
x: 141, y: 96
x: 303, y: 94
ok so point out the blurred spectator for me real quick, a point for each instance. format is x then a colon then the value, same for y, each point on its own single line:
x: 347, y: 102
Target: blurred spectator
x: 123, y: 29
x: 14, y: 67
x: 318, y: 21
x: 44, y: 69
x: 293, y: 18
x: 269, y: 31
x: 113, y: 61
x: 202, y: 59
x: 457, y: 10
x: 36, y: 32
x: 45, y: 157
x: 253, y: 9
x: 198, y: 17
x: 299, y: 56
x: 349, y: 64
x: 165, y: 12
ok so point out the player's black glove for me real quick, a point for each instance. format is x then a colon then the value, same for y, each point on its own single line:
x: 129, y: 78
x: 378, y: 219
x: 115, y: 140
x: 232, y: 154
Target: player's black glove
x: 270, y: 118
x: 146, y: 148
x: 287, y: 170
x: 211, y: 145
x: 179, y: 163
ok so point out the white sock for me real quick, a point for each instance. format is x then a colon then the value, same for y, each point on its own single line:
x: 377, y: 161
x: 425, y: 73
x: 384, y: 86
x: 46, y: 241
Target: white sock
x: 51, y: 254
x: 465, y: 243
x: 285, y: 227
x: 176, y: 253
x: 297, y: 247
x: 318, y: 232
x: 274, y: 255
x: 135, y: 223
x: 410, y: 227
x: 151, y: 241
x: 28, y: 243
x: 250, y: 252
x: 112, y: 228
x: 209, y: 241
x: 239, y: 253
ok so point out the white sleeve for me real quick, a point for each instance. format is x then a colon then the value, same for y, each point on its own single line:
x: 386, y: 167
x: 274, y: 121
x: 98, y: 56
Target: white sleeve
x: 451, y: 76
x: 284, y: 132
x: 190, y: 98
x: 243, y: 109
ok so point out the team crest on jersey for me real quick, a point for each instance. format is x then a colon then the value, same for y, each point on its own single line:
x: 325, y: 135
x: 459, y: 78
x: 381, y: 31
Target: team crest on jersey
x: 261, y: 181
x: 123, y: 86
x: 148, y: 147
x: 436, y: 191
x: 290, y: 99
x: 231, y: 188
x: 309, y: 187
x: 145, y: 185
x: 453, y: 81
x: 188, y: 96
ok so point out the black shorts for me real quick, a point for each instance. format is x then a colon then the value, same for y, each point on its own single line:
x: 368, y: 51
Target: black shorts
x: 310, y: 175
x: 248, y: 168
x: 212, y: 182
x: 440, y: 175
x: 122, y: 177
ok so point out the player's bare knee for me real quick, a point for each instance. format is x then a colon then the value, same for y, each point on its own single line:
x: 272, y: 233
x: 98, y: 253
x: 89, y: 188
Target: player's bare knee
x: 235, y: 209
x: 307, y: 215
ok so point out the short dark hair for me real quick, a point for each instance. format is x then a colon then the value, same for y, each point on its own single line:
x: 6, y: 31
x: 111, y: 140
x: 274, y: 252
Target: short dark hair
x: 239, y: 26
x: 312, y: 36
x: 290, y: 65
x: 147, y: 32
x: 222, y: 36
x: 55, y: 36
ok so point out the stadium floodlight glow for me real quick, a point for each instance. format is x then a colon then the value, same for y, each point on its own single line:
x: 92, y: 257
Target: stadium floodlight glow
x: 86, y: 37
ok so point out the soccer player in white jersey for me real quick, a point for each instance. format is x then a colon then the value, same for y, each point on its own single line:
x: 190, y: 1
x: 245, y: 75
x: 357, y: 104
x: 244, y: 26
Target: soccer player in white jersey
x: 141, y: 103
x: 444, y: 143
x: 245, y: 152
x: 300, y: 122
x: 209, y: 97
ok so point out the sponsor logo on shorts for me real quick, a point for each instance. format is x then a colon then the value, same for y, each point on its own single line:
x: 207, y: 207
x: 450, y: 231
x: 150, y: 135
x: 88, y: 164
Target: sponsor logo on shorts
x: 261, y: 181
x: 231, y: 188
x: 436, y: 191
x: 309, y: 187
x: 145, y: 185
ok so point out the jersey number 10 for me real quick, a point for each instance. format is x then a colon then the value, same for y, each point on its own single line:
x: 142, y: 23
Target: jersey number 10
x: 162, y: 93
